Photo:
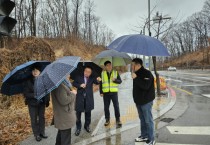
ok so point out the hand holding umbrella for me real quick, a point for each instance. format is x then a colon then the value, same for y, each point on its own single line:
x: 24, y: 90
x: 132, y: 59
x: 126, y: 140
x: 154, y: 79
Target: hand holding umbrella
x: 74, y: 92
x: 133, y: 75
x: 83, y: 85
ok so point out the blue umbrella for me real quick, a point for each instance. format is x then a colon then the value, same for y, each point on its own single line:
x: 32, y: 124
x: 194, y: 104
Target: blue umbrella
x: 139, y: 44
x: 13, y: 83
x: 54, y: 74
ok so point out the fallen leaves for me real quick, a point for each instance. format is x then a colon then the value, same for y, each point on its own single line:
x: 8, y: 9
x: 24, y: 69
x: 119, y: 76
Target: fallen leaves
x: 15, y: 123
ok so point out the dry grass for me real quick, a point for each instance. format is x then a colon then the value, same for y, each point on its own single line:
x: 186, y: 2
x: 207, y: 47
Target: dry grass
x: 15, y: 122
x: 191, y: 59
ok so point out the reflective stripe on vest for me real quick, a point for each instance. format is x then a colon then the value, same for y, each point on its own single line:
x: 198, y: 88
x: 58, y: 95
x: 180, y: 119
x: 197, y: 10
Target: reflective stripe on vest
x: 109, y: 86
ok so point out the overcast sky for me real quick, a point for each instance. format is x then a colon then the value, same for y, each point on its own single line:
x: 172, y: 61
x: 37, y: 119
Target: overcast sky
x: 123, y: 15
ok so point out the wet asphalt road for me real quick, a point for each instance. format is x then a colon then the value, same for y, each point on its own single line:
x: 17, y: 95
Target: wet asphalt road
x: 193, y: 126
x: 188, y: 122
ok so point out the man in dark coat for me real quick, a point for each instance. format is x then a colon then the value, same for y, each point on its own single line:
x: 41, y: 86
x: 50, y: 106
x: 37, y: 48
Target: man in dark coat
x: 84, y: 98
x: 143, y: 95
x: 36, y: 108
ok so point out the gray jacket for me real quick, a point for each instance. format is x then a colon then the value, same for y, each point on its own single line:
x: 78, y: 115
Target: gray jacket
x: 63, y: 108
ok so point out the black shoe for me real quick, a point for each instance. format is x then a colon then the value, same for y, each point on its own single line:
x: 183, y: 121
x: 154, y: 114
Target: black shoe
x: 77, y: 132
x: 107, y: 122
x: 38, y: 138
x: 119, y: 124
x: 87, y: 129
x: 43, y: 136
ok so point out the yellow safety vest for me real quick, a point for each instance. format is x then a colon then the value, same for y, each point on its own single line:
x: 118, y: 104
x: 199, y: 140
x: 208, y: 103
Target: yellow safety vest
x: 109, y: 86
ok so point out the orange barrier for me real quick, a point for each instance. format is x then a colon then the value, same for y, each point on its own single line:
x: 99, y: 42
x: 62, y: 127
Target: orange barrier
x: 162, y: 83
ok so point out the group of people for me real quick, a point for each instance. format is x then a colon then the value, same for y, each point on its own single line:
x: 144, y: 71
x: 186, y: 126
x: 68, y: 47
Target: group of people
x: 69, y: 104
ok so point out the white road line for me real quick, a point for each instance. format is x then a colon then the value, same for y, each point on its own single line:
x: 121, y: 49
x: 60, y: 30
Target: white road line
x: 142, y: 143
x: 189, y: 130
x: 173, y: 144
x: 206, y: 95
x: 195, y: 85
x: 186, y: 78
x: 195, y: 74
x: 106, y: 134
x: 98, y: 125
x: 176, y: 80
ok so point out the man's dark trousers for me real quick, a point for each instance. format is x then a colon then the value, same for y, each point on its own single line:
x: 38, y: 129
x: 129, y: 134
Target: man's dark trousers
x: 63, y: 137
x: 107, y: 100
x: 37, y: 119
x: 87, y: 119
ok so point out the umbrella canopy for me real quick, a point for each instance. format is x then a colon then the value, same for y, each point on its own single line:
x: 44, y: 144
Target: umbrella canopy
x: 13, y: 83
x: 139, y: 44
x: 80, y: 69
x: 117, y: 58
x: 54, y: 74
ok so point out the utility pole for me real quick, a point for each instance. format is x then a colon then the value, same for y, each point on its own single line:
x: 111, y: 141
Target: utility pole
x: 149, y: 27
x: 158, y: 19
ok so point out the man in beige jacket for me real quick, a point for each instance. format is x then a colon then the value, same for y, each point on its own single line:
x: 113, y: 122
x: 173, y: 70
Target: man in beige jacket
x: 63, y: 101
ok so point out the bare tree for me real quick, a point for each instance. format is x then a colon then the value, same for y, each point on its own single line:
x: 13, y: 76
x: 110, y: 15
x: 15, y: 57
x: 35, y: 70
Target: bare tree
x: 77, y: 4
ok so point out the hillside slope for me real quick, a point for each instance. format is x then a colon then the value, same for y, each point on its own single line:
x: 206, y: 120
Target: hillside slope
x: 196, y: 59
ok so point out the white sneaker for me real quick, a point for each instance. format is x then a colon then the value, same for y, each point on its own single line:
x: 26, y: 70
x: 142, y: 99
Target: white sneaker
x: 141, y: 139
x: 150, y: 142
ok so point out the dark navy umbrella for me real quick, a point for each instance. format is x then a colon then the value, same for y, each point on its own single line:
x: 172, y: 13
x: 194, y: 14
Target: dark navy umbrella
x: 54, y: 74
x: 139, y: 44
x: 80, y: 69
x: 13, y: 83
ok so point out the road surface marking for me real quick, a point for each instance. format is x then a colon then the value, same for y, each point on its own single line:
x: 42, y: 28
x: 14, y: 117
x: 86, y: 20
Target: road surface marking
x: 189, y: 130
x: 206, y: 95
x: 176, y: 80
x: 98, y: 126
x: 189, y: 93
x: 185, y: 78
x: 106, y: 134
x: 195, y: 85
x: 194, y: 74
x: 142, y: 143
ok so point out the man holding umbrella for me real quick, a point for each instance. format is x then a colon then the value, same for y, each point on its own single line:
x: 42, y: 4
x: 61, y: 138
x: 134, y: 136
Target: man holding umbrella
x: 84, y: 100
x: 143, y: 95
x: 36, y: 108
x: 21, y: 81
x: 109, y: 92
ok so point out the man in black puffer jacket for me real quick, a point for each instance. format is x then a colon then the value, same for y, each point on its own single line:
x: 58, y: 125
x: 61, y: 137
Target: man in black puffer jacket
x: 143, y: 95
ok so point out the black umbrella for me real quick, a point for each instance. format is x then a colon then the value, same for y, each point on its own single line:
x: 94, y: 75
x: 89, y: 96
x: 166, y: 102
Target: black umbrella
x: 80, y: 69
x: 13, y: 83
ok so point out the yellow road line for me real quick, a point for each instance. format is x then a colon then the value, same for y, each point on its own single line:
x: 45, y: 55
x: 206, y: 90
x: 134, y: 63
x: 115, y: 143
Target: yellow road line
x: 189, y: 93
